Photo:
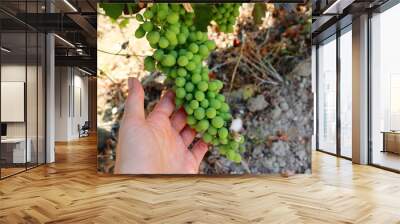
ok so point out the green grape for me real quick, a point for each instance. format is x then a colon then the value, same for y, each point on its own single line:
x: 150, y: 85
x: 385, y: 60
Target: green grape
x: 163, y: 42
x: 212, y: 131
x: 180, y: 50
x: 224, y: 107
x: 178, y: 102
x: 223, y: 133
x: 149, y: 64
x: 196, y: 58
x: 217, y: 122
x: 189, y: 87
x: 183, y: 61
x: 162, y: 14
x: 214, y: 103
x: 225, y: 15
x: 202, y: 86
x: 147, y: 26
x: 153, y: 37
x: 171, y: 36
x: 211, y: 113
x: 188, y: 109
x: 148, y: 14
x: 213, y: 86
x: 189, y: 55
x: 203, y: 50
x: 180, y: 82
x: 204, y: 103
x: 242, y: 149
x: 207, y: 138
x: 139, y: 33
x: 210, y: 45
x: 202, y: 125
x: 180, y: 92
x: 234, y: 145
x: 168, y: 60
x: 139, y: 17
x: 172, y: 74
x: 194, y: 104
x: 205, y: 77
x: 196, y: 78
x: 237, y: 158
x: 181, y: 72
x: 191, y: 66
x: 158, y: 54
x: 223, y: 141
x: 220, y: 97
x: 210, y: 95
x: 199, y: 96
x: 181, y: 38
x: 191, y: 120
x: 199, y: 113
x: 189, y: 96
x: 215, y: 141
x: 173, y: 18
x: 194, y: 48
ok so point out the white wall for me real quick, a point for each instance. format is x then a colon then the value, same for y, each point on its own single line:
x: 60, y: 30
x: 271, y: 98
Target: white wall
x: 70, y: 83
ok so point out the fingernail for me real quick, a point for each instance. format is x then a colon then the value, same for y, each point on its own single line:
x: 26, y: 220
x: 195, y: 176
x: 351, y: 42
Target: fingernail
x: 130, y: 83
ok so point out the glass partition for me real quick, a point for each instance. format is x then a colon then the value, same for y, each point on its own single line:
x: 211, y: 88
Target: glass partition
x: 22, y: 77
x: 346, y: 93
x: 327, y: 96
x: 385, y: 89
x: 14, y: 155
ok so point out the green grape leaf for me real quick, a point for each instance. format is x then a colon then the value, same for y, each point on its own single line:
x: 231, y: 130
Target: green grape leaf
x: 113, y: 10
x: 202, y: 16
x: 259, y: 12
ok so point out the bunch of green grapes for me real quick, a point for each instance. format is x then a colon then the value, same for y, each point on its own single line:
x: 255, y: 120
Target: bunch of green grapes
x: 225, y: 14
x: 179, y: 53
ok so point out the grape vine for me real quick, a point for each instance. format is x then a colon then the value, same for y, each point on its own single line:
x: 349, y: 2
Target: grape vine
x: 180, y: 51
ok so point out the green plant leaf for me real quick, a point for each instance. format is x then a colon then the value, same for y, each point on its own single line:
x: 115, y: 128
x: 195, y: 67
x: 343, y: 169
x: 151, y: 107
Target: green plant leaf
x: 259, y: 13
x: 202, y: 16
x: 113, y: 10
x: 133, y: 8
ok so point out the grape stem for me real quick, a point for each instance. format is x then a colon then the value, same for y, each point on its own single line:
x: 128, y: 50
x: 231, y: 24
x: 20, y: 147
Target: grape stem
x: 237, y: 64
x: 120, y: 54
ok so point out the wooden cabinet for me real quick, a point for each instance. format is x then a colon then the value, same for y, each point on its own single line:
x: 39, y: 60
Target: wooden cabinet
x: 391, y: 142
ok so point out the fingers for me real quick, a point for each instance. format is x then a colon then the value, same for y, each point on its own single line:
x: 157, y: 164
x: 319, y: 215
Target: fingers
x: 134, y: 104
x: 188, y: 135
x: 178, y: 120
x: 166, y: 105
x: 199, y: 150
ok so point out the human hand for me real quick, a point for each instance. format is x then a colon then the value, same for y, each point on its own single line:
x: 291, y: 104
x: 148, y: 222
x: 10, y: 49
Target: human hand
x: 159, y: 143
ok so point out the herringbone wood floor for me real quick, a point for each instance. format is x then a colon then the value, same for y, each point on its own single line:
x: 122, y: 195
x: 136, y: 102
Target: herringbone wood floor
x: 70, y: 191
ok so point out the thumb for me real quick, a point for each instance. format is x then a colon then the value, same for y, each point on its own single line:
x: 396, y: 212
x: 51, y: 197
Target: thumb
x: 134, y: 104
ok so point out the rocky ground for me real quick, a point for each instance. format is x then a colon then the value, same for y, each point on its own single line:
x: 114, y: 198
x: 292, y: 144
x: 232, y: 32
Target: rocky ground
x: 267, y: 74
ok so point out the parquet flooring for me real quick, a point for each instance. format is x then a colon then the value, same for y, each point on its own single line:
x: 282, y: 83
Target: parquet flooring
x: 70, y: 191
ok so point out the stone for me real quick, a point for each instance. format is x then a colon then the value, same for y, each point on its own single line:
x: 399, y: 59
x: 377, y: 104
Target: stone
x: 257, y: 103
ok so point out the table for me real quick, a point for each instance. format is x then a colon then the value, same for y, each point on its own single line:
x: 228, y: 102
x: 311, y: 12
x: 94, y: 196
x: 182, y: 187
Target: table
x: 13, y: 150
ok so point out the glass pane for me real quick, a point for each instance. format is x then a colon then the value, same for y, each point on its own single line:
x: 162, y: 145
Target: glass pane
x: 32, y: 97
x: 386, y: 89
x: 327, y: 97
x: 41, y: 99
x: 13, y: 86
x: 346, y: 94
